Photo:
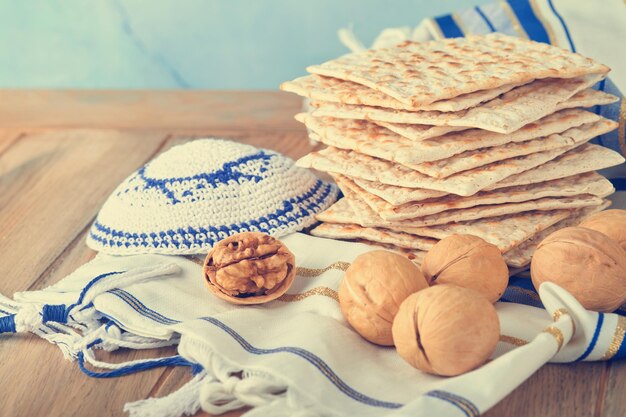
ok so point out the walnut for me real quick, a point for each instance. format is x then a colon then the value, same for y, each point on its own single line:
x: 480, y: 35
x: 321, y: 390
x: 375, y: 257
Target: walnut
x: 372, y: 290
x: 586, y: 263
x: 249, y: 268
x: 610, y: 222
x: 467, y: 261
x: 446, y: 330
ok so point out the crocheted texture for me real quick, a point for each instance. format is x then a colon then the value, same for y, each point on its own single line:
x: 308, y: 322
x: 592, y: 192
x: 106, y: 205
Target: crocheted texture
x: 196, y: 194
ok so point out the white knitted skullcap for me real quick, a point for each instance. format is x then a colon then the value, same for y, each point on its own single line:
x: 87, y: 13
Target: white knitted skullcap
x: 196, y: 194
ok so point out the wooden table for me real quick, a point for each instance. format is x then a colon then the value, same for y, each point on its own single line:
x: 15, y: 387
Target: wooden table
x: 63, y: 152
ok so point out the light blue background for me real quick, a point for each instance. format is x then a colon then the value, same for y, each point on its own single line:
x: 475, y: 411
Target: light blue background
x: 214, y: 44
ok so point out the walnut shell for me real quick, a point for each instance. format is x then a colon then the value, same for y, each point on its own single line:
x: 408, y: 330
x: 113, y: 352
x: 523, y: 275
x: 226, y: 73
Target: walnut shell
x: 467, y: 261
x: 610, y: 222
x: 249, y: 268
x: 446, y: 330
x: 372, y: 290
x: 586, y: 263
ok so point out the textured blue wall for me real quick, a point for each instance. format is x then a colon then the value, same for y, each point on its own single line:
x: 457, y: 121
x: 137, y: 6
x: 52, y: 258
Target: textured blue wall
x: 220, y: 44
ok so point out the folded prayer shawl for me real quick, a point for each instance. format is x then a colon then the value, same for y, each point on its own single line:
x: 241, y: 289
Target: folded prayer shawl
x: 297, y: 353
x: 201, y: 192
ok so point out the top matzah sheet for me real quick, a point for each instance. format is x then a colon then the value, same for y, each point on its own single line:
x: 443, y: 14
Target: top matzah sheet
x: 504, y: 114
x: 335, y: 90
x: 425, y: 72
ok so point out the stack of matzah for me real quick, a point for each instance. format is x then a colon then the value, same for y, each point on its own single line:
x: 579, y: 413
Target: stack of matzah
x: 484, y: 135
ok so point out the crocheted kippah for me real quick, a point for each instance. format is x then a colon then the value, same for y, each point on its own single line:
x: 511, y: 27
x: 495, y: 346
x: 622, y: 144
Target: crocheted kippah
x: 196, y: 194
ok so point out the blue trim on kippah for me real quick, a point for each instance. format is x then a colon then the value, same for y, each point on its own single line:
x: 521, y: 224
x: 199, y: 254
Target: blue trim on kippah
x: 222, y: 176
x: 294, y: 210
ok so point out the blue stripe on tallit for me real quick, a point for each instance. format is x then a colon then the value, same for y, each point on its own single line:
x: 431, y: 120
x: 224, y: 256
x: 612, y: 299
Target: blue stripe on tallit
x: 448, y: 27
x: 527, y: 18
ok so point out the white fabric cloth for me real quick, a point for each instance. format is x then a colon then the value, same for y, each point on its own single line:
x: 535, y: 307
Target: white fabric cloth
x: 297, y: 354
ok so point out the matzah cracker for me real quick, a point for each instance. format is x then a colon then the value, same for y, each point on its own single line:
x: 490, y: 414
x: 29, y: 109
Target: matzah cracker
x: 467, y: 183
x: 335, y: 90
x: 396, y: 195
x: 425, y: 72
x: 370, y: 139
x: 584, y: 158
x: 479, y: 157
x: 415, y: 255
x: 417, y: 132
x: 504, y: 114
x: 367, y: 216
x: 521, y: 255
x: 506, y: 209
x: 504, y: 232
x: 353, y: 231
x: 589, y: 183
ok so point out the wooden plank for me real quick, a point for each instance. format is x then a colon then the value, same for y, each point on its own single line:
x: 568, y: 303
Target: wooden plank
x: 51, y: 186
x: 614, y: 403
x: 160, y: 110
x: 555, y: 390
x: 7, y: 138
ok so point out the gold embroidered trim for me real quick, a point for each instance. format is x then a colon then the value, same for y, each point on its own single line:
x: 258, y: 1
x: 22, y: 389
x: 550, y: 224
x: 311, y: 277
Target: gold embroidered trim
x: 621, y: 130
x: 514, y: 20
x: 325, y: 291
x: 564, y: 312
x: 459, y: 22
x: 556, y: 333
x: 618, y: 339
x: 316, y: 272
x: 513, y: 340
x: 546, y: 25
